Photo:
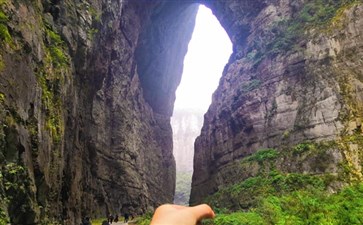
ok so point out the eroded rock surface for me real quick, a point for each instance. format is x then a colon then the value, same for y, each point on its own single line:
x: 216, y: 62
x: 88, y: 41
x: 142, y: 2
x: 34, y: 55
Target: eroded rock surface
x: 85, y: 120
x: 87, y: 91
x: 294, y: 77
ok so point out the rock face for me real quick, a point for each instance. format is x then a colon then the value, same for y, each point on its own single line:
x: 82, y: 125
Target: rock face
x: 87, y: 91
x: 86, y: 94
x: 295, y: 76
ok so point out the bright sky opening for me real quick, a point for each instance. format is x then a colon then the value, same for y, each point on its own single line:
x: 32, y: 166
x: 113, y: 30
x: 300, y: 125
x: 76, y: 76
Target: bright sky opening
x: 208, y: 53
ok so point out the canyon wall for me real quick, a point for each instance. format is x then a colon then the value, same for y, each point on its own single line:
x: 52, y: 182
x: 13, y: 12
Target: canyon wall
x: 86, y: 94
x: 294, y: 81
x: 87, y: 90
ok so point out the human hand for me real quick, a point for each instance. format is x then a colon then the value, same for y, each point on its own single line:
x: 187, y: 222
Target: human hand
x: 181, y: 215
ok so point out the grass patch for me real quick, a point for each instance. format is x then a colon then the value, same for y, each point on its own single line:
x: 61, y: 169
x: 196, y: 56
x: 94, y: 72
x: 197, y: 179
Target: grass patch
x: 98, y: 221
x: 239, y: 218
x: 306, y: 206
x: 248, y: 193
x: 275, y: 197
x: 145, y: 219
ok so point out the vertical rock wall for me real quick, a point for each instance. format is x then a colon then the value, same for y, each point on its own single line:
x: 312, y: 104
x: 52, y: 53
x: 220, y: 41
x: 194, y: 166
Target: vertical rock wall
x: 87, y: 90
x: 85, y: 125
x: 295, y: 76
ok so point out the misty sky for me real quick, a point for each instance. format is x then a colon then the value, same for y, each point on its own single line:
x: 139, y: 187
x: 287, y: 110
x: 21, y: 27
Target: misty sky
x: 208, y: 53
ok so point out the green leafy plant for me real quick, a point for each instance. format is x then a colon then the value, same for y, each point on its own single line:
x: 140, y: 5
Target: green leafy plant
x: 56, y: 49
x: 303, y: 147
x: 4, y: 32
x: 263, y: 154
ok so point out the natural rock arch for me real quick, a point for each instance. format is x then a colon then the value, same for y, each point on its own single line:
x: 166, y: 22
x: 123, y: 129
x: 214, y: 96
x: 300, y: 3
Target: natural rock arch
x: 87, y: 125
x: 163, y: 43
x: 254, y: 106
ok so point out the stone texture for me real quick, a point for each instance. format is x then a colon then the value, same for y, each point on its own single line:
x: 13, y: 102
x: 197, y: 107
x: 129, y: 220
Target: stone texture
x: 87, y: 91
x: 81, y: 120
x: 310, y: 91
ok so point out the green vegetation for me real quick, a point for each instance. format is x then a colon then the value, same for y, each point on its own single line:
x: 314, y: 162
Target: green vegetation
x: 91, y: 33
x: 53, y: 107
x: 309, y: 206
x: 4, y: 219
x: 272, y: 195
x: 56, y: 49
x: 96, y: 16
x: 4, y: 32
x: 263, y: 154
x: 16, y: 190
x: 249, y: 192
x: 145, y: 219
x: 284, y: 35
x: 98, y: 221
x: 239, y: 218
x: 2, y: 97
x: 2, y: 64
x: 3, y: 18
x: 303, y: 147
x: 51, y: 79
x: 12, y: 173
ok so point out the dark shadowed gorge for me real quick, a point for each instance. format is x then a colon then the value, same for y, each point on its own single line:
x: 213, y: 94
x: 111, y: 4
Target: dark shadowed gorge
x: 87, y: 90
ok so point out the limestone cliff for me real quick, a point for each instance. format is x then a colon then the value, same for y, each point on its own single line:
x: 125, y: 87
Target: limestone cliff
x: 83, y: 131
x: 294, y: 80
x: 87, y: 91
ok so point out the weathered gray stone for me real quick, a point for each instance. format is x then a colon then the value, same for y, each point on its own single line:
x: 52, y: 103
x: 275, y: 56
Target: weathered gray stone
x: 87, y: 90
x: 310, y: 92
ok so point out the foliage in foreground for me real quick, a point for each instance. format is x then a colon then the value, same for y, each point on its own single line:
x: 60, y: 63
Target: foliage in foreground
x: 301, y: 207
x: 145, y: 219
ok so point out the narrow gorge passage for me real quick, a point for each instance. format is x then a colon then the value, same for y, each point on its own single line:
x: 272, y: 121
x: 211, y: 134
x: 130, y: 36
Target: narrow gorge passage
x: 208, y: 53
x: 87, y: 91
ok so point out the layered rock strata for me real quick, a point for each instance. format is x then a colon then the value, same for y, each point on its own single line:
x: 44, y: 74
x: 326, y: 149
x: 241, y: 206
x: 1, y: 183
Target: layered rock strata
x: 87, y: 91
x: 295, y: 76
x: 86, y: 94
